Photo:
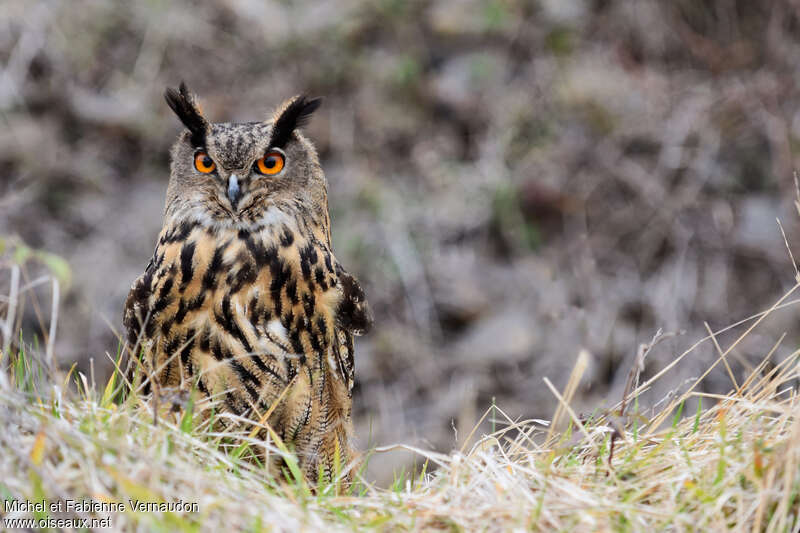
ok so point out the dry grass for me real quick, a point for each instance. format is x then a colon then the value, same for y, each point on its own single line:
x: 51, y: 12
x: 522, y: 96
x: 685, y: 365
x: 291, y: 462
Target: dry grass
x: 732, y: 463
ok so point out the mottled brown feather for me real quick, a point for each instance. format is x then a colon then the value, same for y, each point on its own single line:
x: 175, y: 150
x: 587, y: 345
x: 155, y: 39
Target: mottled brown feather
x: 246, y: 301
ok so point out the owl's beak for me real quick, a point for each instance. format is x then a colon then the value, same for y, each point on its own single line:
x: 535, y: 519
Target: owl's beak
x: 234, y: 193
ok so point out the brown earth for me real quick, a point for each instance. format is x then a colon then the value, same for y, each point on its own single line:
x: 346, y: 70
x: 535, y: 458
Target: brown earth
x: 512, y: 181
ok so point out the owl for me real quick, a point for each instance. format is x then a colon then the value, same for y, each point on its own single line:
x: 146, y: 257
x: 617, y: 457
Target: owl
x: 243, y: 298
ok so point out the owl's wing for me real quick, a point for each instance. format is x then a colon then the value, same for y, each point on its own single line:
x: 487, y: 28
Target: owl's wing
x: 137, y: 306
x: 353, y: 313
x: 343, y: 353
x: 353, y: 317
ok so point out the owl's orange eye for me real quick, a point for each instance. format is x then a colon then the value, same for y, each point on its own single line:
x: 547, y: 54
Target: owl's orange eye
x: 270, y: 164
x: 203, y: 163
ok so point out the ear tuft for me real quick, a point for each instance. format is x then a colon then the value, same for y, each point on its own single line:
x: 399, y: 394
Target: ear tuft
x: 185, y: 105
x: 292, y: 115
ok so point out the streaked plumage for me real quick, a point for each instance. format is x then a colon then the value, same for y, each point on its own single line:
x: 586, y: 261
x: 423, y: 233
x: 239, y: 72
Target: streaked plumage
x: 243, y: 296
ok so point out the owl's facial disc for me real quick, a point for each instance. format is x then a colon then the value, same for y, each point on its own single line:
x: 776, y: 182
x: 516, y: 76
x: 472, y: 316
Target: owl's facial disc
x: 234, y: 192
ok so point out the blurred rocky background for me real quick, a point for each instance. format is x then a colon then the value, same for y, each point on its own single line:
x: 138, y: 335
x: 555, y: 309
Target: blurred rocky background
x: 512, y: 181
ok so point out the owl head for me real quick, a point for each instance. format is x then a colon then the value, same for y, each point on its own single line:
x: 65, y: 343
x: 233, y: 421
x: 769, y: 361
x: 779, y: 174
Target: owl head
x: 244, y: 175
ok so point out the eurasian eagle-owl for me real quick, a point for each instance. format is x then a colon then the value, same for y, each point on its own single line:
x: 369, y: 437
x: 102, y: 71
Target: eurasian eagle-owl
x: 243, y: 297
